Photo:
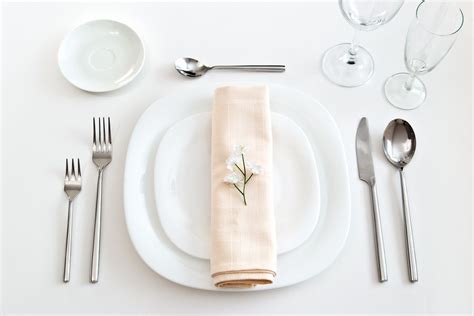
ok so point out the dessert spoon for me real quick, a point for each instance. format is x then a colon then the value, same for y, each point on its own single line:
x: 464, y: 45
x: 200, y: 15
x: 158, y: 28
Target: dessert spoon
x: 190, y: 67
x: 399, y: 144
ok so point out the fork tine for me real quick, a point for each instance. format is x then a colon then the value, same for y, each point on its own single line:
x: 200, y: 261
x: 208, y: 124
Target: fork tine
x: 110, y: 134
x: 103, y: 131
x: 66, y: 177
x: 73, y: 172
x: 93, y: 126
x: 100, y: 132
x: 94, y: 135
x: 79, y: 168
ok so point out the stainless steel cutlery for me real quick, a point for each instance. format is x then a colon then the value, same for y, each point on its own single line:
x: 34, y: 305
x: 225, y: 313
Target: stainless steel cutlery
x: 72, y: 187
x: 101, y: 156
x: 367, y: 174
x: 399, y: 144
x: 190, y: 67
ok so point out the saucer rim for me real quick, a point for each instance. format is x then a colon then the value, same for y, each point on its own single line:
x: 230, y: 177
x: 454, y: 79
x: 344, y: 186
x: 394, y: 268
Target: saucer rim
x: 117, y: 86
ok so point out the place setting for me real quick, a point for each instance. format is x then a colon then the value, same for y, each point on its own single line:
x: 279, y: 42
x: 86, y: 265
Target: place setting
x: 244, y: 186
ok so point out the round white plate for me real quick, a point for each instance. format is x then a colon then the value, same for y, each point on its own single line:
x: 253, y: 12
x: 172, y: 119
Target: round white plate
x: 101, y: 55
x: 146, y: 231
x: 183, y: 184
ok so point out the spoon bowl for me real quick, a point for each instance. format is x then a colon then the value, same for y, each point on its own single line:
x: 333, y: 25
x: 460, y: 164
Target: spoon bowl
x: 190, y: 67
x: 399, y: 143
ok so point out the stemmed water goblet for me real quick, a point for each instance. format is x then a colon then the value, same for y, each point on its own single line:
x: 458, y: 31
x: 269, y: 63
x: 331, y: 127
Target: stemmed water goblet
x: 430, y: 37
x: 349, y: 64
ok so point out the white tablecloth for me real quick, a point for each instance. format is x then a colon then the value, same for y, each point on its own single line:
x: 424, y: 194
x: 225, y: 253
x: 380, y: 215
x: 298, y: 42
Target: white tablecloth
x: 45, y: 120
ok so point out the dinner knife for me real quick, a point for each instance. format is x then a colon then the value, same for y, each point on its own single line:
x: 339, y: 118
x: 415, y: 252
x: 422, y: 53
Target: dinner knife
x: 365, y: 165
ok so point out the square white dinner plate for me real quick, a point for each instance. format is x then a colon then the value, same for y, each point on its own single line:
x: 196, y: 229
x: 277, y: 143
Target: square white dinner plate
x: 147, y: 233
x: 183, y: 184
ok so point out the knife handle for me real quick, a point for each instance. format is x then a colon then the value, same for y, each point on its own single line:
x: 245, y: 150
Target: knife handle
x: 381, y: 261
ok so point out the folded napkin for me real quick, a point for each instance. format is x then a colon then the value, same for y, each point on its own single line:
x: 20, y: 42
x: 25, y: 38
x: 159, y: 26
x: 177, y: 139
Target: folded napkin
x: 243, y: 250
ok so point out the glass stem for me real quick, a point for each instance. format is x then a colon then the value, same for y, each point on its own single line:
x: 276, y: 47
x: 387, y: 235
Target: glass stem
x: 409, y: 82
x: 354, y: 43
x: 352, y: 53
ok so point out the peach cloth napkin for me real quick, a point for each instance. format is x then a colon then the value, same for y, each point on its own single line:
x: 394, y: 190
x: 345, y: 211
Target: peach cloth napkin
x: 243, y: 250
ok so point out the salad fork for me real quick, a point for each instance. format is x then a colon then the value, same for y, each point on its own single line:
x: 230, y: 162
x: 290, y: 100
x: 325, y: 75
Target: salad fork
x: 101, y: 156
x: 72, y: 187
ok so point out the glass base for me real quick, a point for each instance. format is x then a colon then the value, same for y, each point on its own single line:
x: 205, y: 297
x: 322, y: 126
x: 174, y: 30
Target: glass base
x: 399, y: 96
x: 345, y: 69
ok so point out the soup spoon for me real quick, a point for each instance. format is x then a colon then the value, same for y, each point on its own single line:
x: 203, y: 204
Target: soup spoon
x: 191, y: 67
x: 399, y: 144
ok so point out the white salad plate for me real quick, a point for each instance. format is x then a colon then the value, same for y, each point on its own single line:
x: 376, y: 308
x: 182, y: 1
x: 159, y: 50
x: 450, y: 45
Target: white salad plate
x: 183, y: 184
x: 101, y: 55
x: 147, y: 233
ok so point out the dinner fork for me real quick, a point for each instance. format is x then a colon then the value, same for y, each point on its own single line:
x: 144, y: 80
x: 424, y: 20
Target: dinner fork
x: 72, y: 187
x: 101, y: 156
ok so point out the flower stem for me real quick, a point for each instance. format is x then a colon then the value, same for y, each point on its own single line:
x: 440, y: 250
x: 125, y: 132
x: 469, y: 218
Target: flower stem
x: 235, y: 185
x: 244, y: 173
x: 245, y: 180
x: 239, y: 169
x: 249, y: 178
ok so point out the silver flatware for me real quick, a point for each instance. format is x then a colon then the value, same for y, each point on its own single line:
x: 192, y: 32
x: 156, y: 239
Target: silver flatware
x: 367, y: 174
x: 72, y: 187
x: 399, y: 144
x: 191, y: 67
x: 101, y: 156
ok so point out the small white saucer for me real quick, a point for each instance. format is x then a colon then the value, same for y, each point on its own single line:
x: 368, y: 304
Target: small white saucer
x: 101, y: 55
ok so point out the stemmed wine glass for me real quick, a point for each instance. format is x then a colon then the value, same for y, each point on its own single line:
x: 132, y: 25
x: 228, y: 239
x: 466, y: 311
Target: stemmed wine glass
x: 348, y: 64
x: 430, y: 37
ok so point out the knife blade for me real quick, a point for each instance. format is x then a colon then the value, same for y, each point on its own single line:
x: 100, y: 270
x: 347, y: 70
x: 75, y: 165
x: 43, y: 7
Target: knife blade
x: 365, y: 162
x: 365, y: 165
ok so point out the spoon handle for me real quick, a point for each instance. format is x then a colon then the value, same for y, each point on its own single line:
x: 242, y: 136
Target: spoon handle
x: 259, y: 68
x: 381, y: 261
x: 410, y: 243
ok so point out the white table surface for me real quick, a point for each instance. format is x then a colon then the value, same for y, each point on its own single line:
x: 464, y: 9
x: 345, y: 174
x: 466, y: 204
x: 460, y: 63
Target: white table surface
x: 45, y: 119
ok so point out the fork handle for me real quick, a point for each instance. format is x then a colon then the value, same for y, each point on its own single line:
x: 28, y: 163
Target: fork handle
x: 97, y: 230
x: 67, y: 256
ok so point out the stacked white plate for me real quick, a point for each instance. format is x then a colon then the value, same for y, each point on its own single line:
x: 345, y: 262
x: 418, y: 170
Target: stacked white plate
x: 167, y: 187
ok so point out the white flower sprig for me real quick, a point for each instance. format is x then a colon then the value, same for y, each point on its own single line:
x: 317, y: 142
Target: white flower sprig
x: 240, y: 175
